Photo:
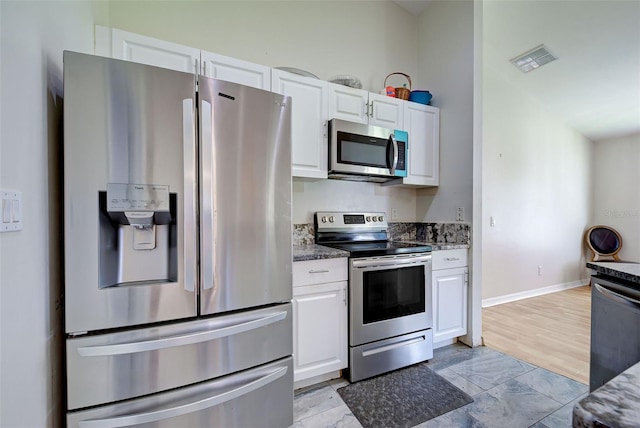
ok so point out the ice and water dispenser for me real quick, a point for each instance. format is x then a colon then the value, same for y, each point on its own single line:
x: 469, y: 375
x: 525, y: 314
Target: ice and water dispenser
x: 137, y: 235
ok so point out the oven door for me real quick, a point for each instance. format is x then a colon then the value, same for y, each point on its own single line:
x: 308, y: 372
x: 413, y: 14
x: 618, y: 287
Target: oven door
x: 389, y: 296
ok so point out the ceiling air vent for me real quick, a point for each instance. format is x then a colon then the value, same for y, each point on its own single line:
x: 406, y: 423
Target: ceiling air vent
x: 535, y: 58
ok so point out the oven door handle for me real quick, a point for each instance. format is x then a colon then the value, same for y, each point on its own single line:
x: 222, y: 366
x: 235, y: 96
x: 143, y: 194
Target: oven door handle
x: 390, y: 262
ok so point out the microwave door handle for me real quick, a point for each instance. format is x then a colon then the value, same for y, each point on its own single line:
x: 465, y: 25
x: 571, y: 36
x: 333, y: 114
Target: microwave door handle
x: 394, y: 165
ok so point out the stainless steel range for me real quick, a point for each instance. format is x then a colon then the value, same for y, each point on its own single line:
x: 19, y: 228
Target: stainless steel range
x: 390, y: 316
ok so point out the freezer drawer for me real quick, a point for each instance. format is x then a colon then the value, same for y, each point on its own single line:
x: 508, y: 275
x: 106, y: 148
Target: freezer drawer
x: 383, y: 356
x: 260, y: 397
x: 118, y: 366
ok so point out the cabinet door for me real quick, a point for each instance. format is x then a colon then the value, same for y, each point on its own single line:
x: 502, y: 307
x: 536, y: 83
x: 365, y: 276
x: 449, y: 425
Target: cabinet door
x: 319, y: 329
x: 386, y: 112
x: 146, y: 50
x: 236, y: 71
x: 449, y: 303
x: 348, y: 103
x: 423, y: 124
x: 309, y: 122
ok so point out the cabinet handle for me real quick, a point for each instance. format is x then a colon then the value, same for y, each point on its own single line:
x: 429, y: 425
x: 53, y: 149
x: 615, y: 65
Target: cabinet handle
x: 451, y: 259
x: 319, y: 271
x: 344, y: 295
x: 371, y: 112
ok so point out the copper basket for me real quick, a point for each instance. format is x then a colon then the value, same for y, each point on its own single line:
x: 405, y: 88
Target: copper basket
x: 401, y: 92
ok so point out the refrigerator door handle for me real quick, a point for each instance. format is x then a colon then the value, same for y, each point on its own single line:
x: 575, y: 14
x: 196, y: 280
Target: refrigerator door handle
x: 207, y: 239
x: 180, y: 340
x: 189, y: 152
x: 196, y: 406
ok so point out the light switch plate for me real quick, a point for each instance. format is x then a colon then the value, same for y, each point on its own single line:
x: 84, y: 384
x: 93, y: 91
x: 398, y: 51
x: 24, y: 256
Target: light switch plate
x: 11, y: 211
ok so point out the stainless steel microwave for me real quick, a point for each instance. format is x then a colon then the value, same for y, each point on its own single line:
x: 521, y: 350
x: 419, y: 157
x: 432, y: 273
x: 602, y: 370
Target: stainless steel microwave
x: 366, y: 153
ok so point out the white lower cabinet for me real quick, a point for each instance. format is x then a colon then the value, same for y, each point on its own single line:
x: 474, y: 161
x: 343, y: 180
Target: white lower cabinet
x: 319, y: 319
x: 450, y: 282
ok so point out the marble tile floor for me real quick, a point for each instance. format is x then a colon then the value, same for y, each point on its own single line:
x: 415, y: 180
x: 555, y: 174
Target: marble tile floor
x: 507, y: 393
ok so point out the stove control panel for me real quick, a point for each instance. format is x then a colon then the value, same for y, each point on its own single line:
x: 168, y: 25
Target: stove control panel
x: 350, y: 220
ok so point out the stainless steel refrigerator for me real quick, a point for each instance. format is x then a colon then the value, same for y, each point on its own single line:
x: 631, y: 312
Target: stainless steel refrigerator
x: 177, y: 199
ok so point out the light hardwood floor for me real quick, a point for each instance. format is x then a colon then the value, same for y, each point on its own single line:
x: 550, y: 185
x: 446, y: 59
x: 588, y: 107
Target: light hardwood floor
x: 550, y: 331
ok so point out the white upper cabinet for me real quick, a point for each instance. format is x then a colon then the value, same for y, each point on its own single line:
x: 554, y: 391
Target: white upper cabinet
x: 422, y: 122
x: 386, y: 111
x: 236, y: 71
x: 146, y: 50
x: 348, y: 103
x: 309, y: 122
x: 357, y: 105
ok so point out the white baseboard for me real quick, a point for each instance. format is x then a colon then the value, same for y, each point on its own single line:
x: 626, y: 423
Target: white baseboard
x: 316, y: 379
x: 531, y: 293
x: 446, y: 342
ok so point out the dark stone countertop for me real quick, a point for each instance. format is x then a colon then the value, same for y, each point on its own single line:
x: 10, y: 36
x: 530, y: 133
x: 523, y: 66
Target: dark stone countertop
x: 440, y: 246
x: 316, y: 252
x: 621, y: 270
x: 614, y: 404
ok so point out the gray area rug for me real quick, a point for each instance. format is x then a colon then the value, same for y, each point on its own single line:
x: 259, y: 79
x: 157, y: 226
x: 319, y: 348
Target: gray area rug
x: 402, y: 398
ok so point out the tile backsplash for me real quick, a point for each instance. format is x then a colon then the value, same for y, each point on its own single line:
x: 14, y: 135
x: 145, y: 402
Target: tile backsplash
x: 434, y: 233
x: 303, y: 234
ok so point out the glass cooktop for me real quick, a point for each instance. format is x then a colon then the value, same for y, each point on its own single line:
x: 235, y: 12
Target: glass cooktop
x: 385, y: 248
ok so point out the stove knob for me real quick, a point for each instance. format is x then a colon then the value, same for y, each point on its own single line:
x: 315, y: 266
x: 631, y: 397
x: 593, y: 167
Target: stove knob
x: 331, y: 219
x: 324, y: 219
x: 380, y: 218
x: 374, y: 218
x: 368, y: 219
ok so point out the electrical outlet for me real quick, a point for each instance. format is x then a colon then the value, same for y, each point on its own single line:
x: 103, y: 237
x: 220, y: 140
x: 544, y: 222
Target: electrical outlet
x: 394, y: 213
x: 492, y: 221
x: 539, y: 270
x: 460, y: 214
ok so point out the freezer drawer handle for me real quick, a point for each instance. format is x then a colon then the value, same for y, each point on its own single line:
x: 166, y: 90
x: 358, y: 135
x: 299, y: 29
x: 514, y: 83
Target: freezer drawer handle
x: 142, y: 418
x: 182, y: 340
x: 393, y: 346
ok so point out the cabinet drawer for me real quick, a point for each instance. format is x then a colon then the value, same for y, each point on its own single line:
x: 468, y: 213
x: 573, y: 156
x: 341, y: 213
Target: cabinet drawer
x: 319, y: 271
x: 447, y: 259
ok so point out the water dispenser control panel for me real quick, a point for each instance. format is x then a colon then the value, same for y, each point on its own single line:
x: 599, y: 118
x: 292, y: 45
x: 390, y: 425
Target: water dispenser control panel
x: 137, y: 197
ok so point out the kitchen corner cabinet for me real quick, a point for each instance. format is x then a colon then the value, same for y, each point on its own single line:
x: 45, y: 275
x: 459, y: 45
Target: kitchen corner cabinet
x: 309, y: 122
x: 319, y: 317
x: 357, y: 105
x: 450, y: 283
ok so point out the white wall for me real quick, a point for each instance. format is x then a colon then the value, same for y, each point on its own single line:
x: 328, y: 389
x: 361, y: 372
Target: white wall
x: 616, y: 190
x: 338, y: 195
x: 536, y: 184
x: 445, y: 68
x: 367, y: 39
x: 33, y: 36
